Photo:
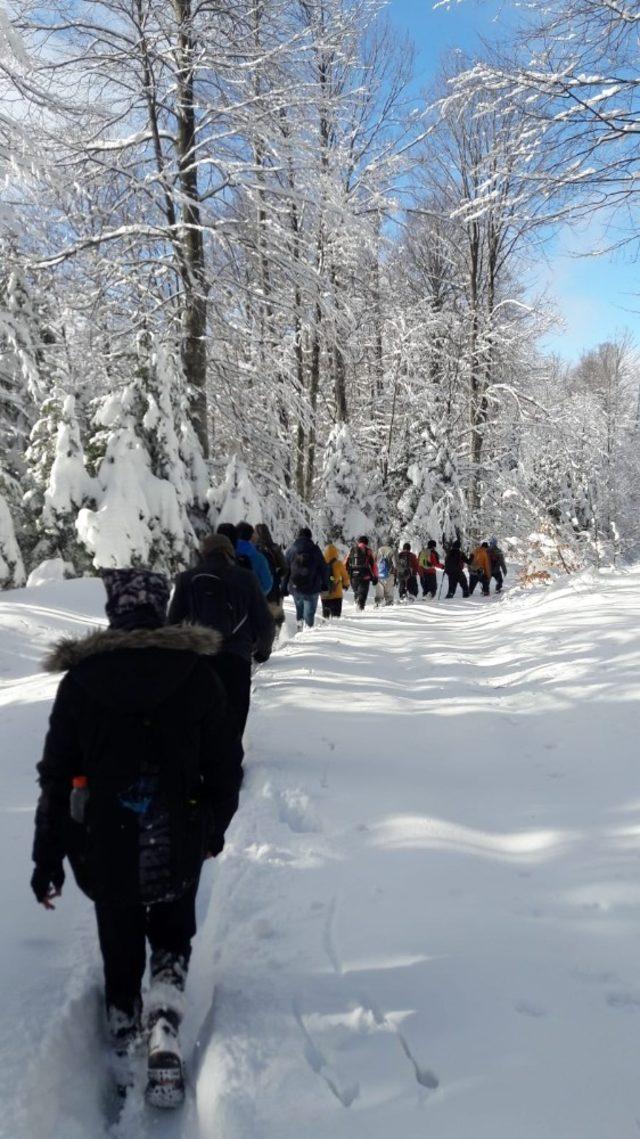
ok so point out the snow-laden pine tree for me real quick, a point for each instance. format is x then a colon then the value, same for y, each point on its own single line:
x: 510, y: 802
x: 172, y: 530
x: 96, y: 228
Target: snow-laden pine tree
x: 342, y: 490
x: 11, y: 566
x: 140, y: 516
x: 67, y: 490
x: 236, y: 499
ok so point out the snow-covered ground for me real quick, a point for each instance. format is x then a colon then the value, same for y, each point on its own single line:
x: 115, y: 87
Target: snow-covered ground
x: 427, y: 918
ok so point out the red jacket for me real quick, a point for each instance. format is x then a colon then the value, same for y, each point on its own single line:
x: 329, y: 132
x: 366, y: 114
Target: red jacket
x: 371, y: 571
x: 432, y: 564
x: 414, y: 565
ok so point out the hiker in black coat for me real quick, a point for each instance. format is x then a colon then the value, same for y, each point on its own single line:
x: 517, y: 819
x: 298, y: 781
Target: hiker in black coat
x: 360, y: 564
x: 454, y: 563
x: 142, y: 719
x: 220, y: 595
x: 306, y: 577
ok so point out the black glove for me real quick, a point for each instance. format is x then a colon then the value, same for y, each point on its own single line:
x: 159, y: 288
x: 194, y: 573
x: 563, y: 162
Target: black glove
x: 215, y: 845
x: 261, y: 657
x: 46, y: 879
x: 375, y: 580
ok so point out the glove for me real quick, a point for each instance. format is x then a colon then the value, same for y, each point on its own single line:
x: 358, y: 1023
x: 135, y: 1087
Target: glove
x: 261, y: 657
x: 375, y: 580
x: 47, y: 881
x: 215, y: 845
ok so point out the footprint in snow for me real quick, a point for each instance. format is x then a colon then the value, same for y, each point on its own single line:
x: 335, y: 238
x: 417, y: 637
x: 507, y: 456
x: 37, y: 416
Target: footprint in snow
x: 528, y: 1008
x: 624, y: 1001
x: 295, y: 809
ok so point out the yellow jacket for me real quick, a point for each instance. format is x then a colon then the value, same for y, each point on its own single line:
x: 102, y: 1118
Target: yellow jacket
x: 339, y: 572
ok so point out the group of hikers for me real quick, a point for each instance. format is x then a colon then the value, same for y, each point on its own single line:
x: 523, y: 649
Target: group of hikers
x: 142, y: 762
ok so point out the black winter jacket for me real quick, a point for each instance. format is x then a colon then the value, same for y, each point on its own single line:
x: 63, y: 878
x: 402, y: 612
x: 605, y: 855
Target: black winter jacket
x: 223, y: 596
x: 143, y: 716
x: 318, y: 575
x: 455, y: 561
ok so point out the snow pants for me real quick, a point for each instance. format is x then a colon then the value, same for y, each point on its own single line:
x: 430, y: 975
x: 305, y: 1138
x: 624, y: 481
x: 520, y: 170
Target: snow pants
x: 497, y: 574
x: 235, y: 673
x: 306, y: 605
x: 479, y: 579
x: 385, y: 590
x: 429, y: 584
x: 360, y: 592
x: 457, y: 578
x: 123, y: 932
x: 408, y: 585
x: 332, y: 607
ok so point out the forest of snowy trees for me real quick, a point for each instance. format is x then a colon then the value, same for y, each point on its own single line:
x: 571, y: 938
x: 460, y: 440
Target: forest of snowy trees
x: 248, y: 272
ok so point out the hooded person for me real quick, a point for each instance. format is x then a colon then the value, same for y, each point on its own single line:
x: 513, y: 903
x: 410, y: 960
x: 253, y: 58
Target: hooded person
x: 338, y: 581
x: 498, y: 564
x: 480, y: 569
x: 139, y: 780
x: 386, y: 562
x: 408, y: 570
x: 429, y: 562
x: 278, y: 568
x: 361, y: 567
x: 307, y: 576
x: 219, y: 594
x: 246, y: 548
x: 454, y: 563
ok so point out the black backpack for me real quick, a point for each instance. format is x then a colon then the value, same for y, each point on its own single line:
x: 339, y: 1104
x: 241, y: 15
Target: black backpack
x: 301, y: 573
x: 404, y: 565
x: 215, y: 605
x: 359, y: 563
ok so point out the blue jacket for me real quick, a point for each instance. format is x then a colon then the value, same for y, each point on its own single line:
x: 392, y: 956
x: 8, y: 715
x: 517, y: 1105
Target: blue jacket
x: 259, y: 563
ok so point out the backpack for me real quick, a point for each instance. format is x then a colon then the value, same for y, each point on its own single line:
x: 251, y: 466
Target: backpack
x: 404, y: 565
x: 385, y: 568
x: 215, y: 605
x: 358, y: 562
x: 302, y: 570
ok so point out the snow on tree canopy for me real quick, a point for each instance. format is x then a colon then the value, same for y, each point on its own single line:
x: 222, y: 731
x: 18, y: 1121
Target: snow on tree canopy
x: 238, y: 498
x: 69, y: 483
x: 11, y: 567
x: 344, y: 490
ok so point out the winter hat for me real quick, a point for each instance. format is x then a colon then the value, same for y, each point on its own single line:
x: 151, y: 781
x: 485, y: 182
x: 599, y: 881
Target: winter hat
x: 431, y: 544
x: 304, y: 532
x: 244, y: 530
x: 229, y: 531
x: 407, y: 546
x: 217, y: 544
x: 363, y: 539
x: 136, y: 598
x: 492, y: 543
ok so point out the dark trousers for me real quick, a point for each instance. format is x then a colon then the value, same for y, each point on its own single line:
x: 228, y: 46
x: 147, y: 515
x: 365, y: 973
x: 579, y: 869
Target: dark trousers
x: 408, y: 585
x: 497, y: 574
x: 457, y: 578
x: 479, y: 579
x: 332, y: 607
x: 235, y: 674
x: 123, y: 932
x: 360, y: 592
x: 429, y: 584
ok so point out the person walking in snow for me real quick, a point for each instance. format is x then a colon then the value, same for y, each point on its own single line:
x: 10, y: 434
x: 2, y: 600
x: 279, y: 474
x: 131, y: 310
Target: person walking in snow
x: 454, y: 563
x: 246, y: 548
x: 338, y: 580
x: 408, y: 570
x: 278, y: 567
x: 498, y: 564
x: 307, y: 576
x: 429, y: 562
x: 221, y: 595
x: 387, y: 567
x: 139, y: 779
x: 480, y: 569
x: 361, y: 567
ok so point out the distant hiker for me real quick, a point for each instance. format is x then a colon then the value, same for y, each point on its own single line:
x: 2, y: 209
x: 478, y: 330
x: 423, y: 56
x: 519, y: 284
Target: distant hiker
x: 139, y: 781
x: 387, y: 566
x: 228, y: 530
x: 454, y: 563
x: 339, y: 580
x: 361, y: 567
x: 278, y: 567
x: 245, y: 547
x: 224, y: 596
x: 498, y: 564
x: 408, y: 570
x: 480, y: 569
x: 429, y: 562
x: 307, y: 576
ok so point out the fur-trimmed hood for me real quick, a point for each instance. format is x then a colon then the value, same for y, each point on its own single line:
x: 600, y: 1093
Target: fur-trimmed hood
x: 70, y: 651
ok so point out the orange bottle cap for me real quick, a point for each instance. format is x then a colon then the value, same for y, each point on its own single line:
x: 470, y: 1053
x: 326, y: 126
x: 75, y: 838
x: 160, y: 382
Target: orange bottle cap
x: 79, y: 781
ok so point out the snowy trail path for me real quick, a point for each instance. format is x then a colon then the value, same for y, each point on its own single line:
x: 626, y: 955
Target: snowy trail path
x: 427, y: 918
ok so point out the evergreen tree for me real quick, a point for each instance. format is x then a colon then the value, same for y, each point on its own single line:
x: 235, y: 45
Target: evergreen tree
x: 342, y: 517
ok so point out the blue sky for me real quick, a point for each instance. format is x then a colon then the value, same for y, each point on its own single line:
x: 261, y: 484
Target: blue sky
x: 596, y: 296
